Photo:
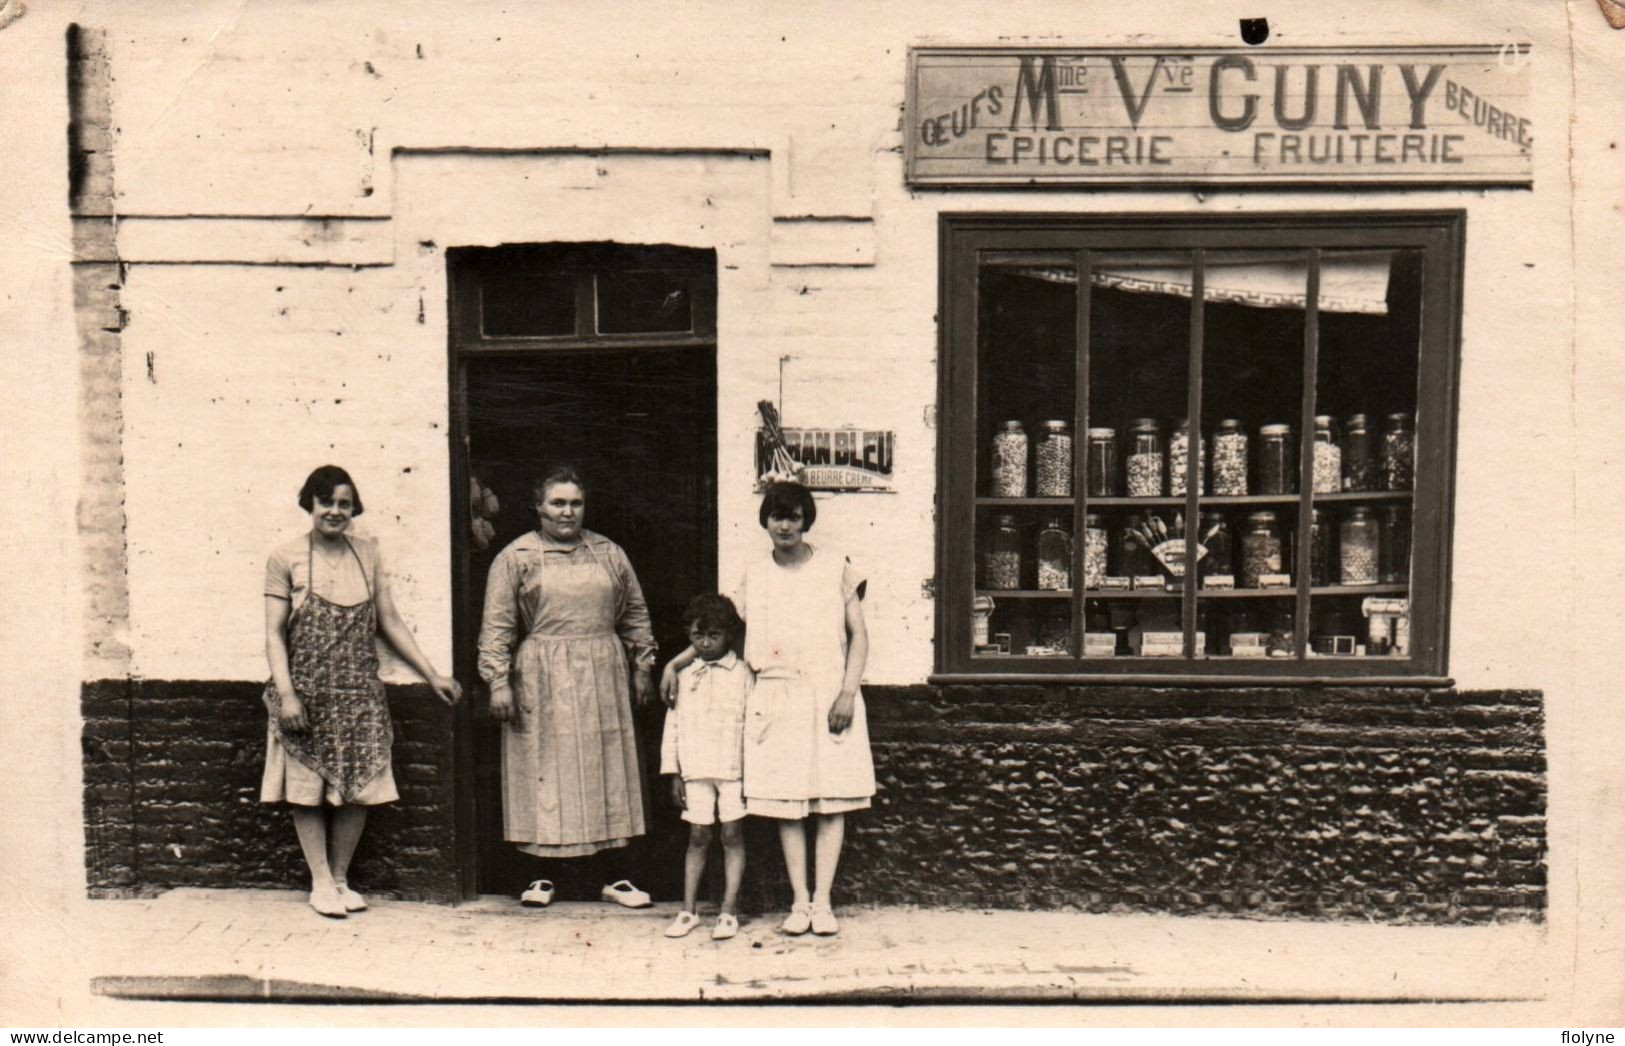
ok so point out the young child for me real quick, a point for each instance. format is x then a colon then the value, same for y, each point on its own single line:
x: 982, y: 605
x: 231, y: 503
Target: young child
x: 702, y: 749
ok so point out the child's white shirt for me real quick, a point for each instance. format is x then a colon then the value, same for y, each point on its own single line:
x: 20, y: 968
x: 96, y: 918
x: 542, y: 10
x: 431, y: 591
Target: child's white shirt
x: 705, y: 733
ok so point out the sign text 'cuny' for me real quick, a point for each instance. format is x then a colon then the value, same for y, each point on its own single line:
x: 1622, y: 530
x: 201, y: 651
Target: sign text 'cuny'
x: 1058, y: 115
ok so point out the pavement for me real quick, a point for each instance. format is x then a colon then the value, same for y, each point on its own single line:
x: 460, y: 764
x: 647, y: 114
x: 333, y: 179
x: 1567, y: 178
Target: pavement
x: 240, y: 946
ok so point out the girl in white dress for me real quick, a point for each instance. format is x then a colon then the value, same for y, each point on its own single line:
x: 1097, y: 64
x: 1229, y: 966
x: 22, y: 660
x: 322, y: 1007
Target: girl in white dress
x: 806, y: 736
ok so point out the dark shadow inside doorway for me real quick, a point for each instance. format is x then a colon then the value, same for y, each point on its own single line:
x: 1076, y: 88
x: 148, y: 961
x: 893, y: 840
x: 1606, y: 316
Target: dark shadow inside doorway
x: 640, y: 425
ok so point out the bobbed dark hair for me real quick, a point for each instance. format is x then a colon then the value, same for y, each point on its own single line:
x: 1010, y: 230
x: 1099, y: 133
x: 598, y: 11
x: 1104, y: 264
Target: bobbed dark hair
x: 552, y: 474
x: 781, y: 500
x: 322, y: 482
x: 713, y: 611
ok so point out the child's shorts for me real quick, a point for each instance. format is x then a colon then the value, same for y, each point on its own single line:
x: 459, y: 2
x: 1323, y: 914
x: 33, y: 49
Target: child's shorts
x: 709, y: 800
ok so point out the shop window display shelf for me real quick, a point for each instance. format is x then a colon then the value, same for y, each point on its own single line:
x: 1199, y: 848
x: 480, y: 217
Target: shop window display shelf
x: 1302, y: 324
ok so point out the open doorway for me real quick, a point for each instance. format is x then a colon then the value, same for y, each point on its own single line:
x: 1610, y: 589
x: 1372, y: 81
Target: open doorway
x: 602, y: 356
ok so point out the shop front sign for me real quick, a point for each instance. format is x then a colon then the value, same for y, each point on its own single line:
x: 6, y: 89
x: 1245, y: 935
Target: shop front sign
x: 1215, y: 116
x: 827, y: 459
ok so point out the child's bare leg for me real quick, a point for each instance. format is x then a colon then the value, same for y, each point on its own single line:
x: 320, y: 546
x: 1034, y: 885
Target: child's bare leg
x: 831, y: 834
x: 699, y: 847
x: 793, y: 841
x: 733, y: 864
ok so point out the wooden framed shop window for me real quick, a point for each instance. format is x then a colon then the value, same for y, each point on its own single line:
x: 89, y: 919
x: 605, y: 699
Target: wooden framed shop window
x: 1275, y: 393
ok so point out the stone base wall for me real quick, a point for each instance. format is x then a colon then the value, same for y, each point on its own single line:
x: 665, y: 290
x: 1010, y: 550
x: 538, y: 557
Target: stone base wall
x: 1388, y: 804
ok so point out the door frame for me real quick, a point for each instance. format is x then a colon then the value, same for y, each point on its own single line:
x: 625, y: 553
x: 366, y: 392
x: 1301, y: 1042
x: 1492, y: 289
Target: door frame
x: 465, y: 341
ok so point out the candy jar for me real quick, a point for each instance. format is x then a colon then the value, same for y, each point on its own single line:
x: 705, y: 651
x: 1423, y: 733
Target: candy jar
x: 1276, y: 464
x: 1179, y: 459
x: 1054, y: 556
x: 1394, y: 560
x: 1230, y: 458
x: 1144, y: 460
x: 1095, y: 542
x: 1001, y: 559
x: 1398, y: 453
x: 1101, y: 463
x: 1359, y: 455
x: 1215, y: 537
x: 1328, y: 471
x: 1010, y: 461
x: 1261, y: 551
x: 1053, y: 460
x: 1357, y: 547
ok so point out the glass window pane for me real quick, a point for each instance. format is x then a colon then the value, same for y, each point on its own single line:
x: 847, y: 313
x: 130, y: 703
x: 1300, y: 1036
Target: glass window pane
x: 644, y: 302
x: 1027, y: 366
x: 1247, y: 459
x: 516, y: 303
x: 1364, y: 452
x: 1136, y: 449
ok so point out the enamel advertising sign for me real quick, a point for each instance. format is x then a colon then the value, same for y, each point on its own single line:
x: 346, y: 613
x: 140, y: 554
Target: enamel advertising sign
x: 1260, y: 116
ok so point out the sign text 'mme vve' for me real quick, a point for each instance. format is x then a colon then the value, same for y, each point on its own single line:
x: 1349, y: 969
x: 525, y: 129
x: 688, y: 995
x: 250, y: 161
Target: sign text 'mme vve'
x: 1021, y: 116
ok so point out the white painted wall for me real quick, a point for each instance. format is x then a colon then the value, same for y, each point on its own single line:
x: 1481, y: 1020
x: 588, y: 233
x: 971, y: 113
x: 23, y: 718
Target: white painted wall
x: 240, y: 111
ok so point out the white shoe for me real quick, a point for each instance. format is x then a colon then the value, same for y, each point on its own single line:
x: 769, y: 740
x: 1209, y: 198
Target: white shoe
x: 625, y: 894
x: 823, y: 921
x: 798, y: 921
x: 681, y: 925
x: 327, y: 901
x: 353, y: 902
x: 727, y: 925
x: 538, y: 895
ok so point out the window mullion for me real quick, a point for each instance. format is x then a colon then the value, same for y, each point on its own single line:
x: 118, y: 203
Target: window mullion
x: 1080, y: 458
x: 1193, y: 445
x: 1306, y: 458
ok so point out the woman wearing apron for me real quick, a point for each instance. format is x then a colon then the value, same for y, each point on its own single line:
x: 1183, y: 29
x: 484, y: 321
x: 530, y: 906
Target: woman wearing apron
x: 563, y: 615
x: 327, y: 747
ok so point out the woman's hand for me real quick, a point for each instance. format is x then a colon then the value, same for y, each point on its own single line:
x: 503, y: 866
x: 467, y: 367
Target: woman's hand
x: 679, y: 796
x: 840, y: 713
x: 668, y: 685
x: 643, y: 685
x: 292, y: 714
x: 446, y: 688
x: 502, y: 705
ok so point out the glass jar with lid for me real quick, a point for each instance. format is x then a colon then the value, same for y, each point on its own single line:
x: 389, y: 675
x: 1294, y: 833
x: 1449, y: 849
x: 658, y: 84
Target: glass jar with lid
x: 1359, y: 455
x: 1357, y: 542
x: 1328, y: 465
x: 1277, y: 469
x: 1261, y: 549
x: 1054, y: 556
x: 1001, y: 556
x: 1214, y: 535
x: 1052, y: 461
x: 1095, y: 544
x: 1320, y: 547
x: 1394, y: 547
x: 1179, y: 459
x: 1144, y: 464
x: 1010, y: 461
x: 1230, y: 459
x: 1398, y: 453
x: 1100, y: 464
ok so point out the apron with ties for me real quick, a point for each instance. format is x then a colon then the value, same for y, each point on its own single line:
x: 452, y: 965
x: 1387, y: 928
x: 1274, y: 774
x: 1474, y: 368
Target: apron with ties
x: 334, y: 663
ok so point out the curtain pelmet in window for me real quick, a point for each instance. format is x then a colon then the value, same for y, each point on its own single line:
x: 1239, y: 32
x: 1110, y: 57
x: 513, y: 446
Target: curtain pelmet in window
x: 1353, y: 282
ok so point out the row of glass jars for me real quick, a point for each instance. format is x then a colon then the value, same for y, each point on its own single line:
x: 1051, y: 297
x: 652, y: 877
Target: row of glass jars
x: 1051, y: 628
x: 1345, y: 460
x: 1366, y: 550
